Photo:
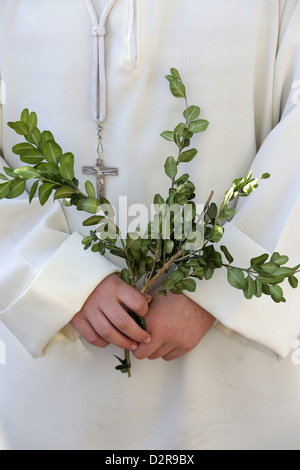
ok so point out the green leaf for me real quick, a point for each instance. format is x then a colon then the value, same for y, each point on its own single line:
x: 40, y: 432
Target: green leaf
x: 228, y: 256
x: 104, y: 201
x: 208, y: 273
x: 149, y: 263
x: 192, y: 113
x: 293, y: 282
x: 4, y: 190
x: 21, y: 128
x: 177, y: 139
x: 125, y: 275
x: 278, y: 259
x: 175, y: 73
x: 271, y: 279
x: 259, y: 286
x: 187, y: 189
x: 265, y: 176
x: 34, y: 137
x: 169, y: 246
x: 32, y: 122
x: 52, y: 151
x: 190, y: 212
x: 249, y: 188
x: 158, y: 200
x: 32, y: 156
x: 67, y: 158
x: 270, y: 268
x: 118, y: 253
x: 168, y: 284
x: 64, y: 192
x: 277, y: 294
x: 134, y: 241
x: 171, y: 167
x: 9, y: 171
x: 189, y: 285
x: 67, y: 172
x: 94, y: 220
x: 188, y: 155
x: 33, y: 191
x: 229, y: 196
x: 27, y: 172
x: 181, y: 199
x: 170, y: 78
x: 265, y: 289
x: 187, y: 136
x: 216, y: 259
x: 171, y: 199
x: 183, y: 179
x: 212, y: 211
x: 260, y: 260
x: 45, y: 136
x: 90, y: 205
x: 177, y: 89
x: 96, y: 248
x: 168, y: 135
x: 236, y: 278
x: 48, y: 168
x: 250, y: 288
x: 102, y: 248
x: 25, y: 116
x: 216, y: 233
x: 89, y: 187
x: 124, y: 367
x: 3, y: 177
x: 123, y: 362
x: 20, y: 148
x: 17, y: 188
x: 179, y: 129
x: 198, y: 126
x: 176, y: 291
x: 163, y: 292
x: 176, y: 277
x: 284, y: 272
x: 45, y: 191
x: 240, y: 182
x: 87, y: 241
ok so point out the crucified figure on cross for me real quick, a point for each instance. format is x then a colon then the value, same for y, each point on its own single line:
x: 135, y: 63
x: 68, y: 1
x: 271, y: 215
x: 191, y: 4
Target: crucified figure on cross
x: 100, y: 170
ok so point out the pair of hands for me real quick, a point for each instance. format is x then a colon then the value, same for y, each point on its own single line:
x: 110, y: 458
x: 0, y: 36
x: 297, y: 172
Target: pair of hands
x: 175, y: 324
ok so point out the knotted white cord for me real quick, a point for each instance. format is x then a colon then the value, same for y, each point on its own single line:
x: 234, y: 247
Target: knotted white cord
x: 99, y: 85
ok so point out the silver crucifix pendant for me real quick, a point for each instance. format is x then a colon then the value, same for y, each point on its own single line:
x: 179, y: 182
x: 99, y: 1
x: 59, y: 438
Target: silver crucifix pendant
x: 100, y: 170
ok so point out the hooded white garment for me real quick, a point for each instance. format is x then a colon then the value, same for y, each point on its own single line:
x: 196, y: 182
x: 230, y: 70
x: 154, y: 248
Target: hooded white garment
x: 241, y: 64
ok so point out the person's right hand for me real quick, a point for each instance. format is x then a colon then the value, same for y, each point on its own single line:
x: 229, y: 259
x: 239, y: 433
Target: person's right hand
x: 103, y: 320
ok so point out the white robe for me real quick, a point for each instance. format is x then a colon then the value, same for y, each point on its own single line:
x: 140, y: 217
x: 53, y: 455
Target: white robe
x: 241, y: 64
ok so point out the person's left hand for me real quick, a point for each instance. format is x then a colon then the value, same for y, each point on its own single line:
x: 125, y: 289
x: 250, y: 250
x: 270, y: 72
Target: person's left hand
x: 176, y: 324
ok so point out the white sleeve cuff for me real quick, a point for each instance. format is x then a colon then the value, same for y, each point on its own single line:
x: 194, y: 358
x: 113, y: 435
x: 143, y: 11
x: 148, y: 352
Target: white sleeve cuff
x: 274, y: 326
x: 56, y: 295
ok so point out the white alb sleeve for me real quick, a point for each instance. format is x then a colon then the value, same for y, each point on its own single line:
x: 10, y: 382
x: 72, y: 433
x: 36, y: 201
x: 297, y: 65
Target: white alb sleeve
x: 45, y: 274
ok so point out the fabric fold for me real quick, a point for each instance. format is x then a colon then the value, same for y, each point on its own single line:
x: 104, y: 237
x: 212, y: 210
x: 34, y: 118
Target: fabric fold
x: 56, y: 295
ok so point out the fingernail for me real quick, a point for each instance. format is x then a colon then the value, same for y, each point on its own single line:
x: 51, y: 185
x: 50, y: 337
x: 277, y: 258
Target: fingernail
x: 133, y: 347
x: 148, y: 340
